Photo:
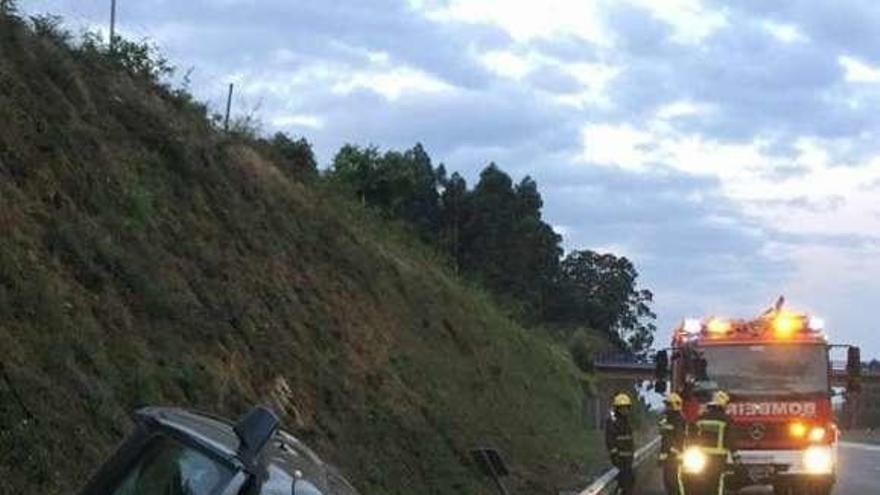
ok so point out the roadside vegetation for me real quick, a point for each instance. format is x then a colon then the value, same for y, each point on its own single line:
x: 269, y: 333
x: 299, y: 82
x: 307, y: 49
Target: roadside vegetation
x: 146, y: 257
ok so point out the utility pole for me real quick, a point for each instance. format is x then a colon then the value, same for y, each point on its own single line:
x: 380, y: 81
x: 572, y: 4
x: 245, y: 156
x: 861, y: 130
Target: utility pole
x: 112, y: 24
x: 228, y: 107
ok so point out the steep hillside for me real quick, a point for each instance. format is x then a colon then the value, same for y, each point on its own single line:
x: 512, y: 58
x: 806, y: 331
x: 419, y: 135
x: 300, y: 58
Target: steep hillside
x: 147, y: 259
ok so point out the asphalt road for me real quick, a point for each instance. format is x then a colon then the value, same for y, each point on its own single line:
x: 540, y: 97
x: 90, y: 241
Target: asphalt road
x: 859, y: 473
x: 859, y: 469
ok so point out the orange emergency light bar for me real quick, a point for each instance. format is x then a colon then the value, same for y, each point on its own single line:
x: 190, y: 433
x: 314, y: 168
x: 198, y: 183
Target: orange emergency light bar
x: 786, y: 324
x: 779, y: 324
x: 717, y: 326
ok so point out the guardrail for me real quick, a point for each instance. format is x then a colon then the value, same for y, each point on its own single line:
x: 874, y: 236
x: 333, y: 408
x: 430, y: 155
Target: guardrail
x: 606, y: 481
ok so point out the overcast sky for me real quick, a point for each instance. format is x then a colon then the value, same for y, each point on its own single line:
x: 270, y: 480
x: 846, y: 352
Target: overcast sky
x: 731, y: 151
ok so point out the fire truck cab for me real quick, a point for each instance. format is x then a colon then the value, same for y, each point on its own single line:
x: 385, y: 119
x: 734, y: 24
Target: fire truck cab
x: 777, y: 371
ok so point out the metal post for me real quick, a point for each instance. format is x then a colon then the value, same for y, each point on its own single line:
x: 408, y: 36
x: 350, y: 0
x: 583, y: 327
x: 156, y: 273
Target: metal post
x: 228, y: 107
x: 112, y: 24
x: 498, y: 482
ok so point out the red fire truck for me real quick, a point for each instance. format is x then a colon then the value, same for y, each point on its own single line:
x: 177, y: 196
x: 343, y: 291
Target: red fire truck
x: 777, y: 371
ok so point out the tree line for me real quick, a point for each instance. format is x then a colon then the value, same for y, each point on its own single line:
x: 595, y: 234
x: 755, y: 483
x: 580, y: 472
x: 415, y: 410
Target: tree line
x: 494, y: 234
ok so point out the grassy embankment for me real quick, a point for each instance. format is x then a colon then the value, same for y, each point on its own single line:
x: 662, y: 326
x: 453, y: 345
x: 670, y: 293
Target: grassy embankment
x: 147, y: 259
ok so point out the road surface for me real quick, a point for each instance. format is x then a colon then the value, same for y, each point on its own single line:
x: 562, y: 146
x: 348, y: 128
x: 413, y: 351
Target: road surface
x: 859, y: 473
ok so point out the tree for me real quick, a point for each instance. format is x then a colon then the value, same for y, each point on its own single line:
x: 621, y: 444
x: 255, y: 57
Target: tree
x: 354, y: 168
x: 8, y: 7
x: 487, y: 233
x: 296, y: 155
x: 600, y: 291
x: 506, y: 244
x: 496, y: 235
x: 403, y: 186
x: 537, y: 247
x: 411, y: 189
x: 454, y: 210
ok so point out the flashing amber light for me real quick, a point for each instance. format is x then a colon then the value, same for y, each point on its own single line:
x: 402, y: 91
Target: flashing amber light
x: 797, y: 429
x: 817, y: 434
x: 786, y: 324
x: 718, y: 326
x: 692, y: 326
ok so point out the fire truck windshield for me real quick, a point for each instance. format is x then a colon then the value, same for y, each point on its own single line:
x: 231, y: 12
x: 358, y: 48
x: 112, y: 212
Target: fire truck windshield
x: 768, y: 369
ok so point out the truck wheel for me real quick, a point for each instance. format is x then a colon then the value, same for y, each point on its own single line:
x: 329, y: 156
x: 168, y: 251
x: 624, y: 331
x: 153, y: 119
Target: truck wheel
x: 814, y: 488
x: 783, y: 489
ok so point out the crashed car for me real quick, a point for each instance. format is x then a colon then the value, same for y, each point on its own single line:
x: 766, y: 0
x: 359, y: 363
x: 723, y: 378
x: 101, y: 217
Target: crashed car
x: 179, y: 452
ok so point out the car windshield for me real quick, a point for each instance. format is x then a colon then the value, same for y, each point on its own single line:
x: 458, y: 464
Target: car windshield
x: 766, y: 369
x: 167, y: 467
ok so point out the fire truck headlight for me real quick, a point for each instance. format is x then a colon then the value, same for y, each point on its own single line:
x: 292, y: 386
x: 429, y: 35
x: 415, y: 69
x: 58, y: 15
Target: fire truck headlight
x: 818, y: 460
x: 817, y: 434
x: 693, y: 460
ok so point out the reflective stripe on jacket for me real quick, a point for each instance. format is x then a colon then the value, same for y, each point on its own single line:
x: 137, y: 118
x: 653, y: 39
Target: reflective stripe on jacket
x: 619, y: 437
x: 712, y: 432
x: 672, y: 432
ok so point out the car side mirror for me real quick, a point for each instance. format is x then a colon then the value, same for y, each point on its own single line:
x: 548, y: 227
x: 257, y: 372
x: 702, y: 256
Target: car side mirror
x: 661, y: 371
x: 660, y: 386
x: 254, y: 430
x: 702, y: 371
x: 854, y: 369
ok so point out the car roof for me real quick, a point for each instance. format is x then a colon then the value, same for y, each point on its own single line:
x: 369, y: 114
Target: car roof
x: 284, y: 452
x: 215, y: 432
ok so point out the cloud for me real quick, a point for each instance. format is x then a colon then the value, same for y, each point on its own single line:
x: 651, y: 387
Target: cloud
x: 526, y: 20
x: 691, y: 21
x: 393, y: 83
x: 856, y: 71
x: 786, y: 33
x: 306, y: 121
x: 508, y: 64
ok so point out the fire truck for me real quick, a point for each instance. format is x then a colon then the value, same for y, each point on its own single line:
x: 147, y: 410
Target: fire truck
x: 778, y: 374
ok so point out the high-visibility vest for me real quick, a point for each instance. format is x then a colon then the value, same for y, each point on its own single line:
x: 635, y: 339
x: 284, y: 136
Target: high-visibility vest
x: 712, y: 436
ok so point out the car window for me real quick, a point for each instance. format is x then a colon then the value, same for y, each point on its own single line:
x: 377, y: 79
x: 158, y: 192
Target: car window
x: 303, y: 487
x: 168, y: 467
x: 278, y: 482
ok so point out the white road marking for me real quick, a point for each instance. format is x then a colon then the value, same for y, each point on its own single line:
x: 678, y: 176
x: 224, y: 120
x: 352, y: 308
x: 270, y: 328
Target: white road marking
x: 860, y: 446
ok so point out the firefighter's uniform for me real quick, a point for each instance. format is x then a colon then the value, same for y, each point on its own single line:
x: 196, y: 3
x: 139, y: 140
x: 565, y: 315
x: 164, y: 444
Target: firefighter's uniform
x: 712, y: 434
x: 672, y: 432
x: 620, y: 444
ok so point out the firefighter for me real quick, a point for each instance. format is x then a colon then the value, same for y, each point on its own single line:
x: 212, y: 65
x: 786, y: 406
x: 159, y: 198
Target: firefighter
x: 712, y: 432
x: 672, y: 431
x: 620, y: 444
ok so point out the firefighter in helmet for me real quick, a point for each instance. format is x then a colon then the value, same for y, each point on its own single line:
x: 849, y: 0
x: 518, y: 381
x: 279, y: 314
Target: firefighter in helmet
x: 620, y: 444
x: 713, y: 435
x: 672, y: 432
